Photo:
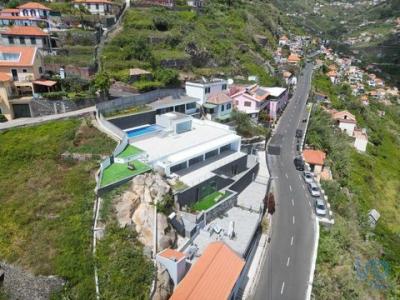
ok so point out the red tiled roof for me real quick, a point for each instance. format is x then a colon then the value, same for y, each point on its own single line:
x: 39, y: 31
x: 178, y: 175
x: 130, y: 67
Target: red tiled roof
x: 48, y: 83
x: 218, y: 98
x: 16, y: 17
x: 332, y: 73
x: 33, y: 5
x: 9, y: 10
x: 26, y: 56
x: 344, y: 115
x: 314, y: 157
x: 4, y: 77
x: 172, y: 254
x: 293, y: 58
x: 25, y: 30
x: 213, y: 276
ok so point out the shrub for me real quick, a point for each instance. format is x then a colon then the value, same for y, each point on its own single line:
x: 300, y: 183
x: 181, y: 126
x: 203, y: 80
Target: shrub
x: 55, y: 95
x: 168, y: 77
x: 145, y: 86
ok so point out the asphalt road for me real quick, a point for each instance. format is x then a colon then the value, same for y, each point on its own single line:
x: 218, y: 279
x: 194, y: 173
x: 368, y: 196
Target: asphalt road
x: 286, y: 268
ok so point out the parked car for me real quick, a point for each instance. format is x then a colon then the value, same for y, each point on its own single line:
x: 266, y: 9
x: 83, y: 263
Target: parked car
x: 320, y: 208
x: 299, y: 164
x: 299, y: 133
x: 308, y: 177
x: 314, y: 189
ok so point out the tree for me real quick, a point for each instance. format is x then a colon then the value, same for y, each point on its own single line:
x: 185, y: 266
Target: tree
x: 102, y: 83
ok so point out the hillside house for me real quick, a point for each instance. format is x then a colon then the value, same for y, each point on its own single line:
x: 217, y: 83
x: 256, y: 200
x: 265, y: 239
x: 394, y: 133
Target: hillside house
x: 332, y: 74
x: 34, y: 10
x: 97, y: 7
x: 218, y: 106
x: 287, y: 76
x: 316, y: 161
x: 26, y: 36
x: 175, y: 263
x: 217, y: 274
x: 5, y: 94
x: 202, y: 89
x: 137, y: 74
x: 278, y: 99
x: 250, y: 100
x: 293, y: 59
x: 345, y: 120
x: 283, y: 40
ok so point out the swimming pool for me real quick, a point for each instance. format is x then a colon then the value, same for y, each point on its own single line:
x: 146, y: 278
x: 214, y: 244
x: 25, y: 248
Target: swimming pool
x: 142, y: 130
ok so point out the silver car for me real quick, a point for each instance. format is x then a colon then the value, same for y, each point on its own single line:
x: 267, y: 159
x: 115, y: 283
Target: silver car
x: 320, y: 208
x: 308, y: 177
x: 314, y: 189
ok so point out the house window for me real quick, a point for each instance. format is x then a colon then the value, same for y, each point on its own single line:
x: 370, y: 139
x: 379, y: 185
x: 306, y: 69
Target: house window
x: 97, y: 6
x: 33, y: 41
x: 40, y: 70
x: 24, y: 71
x: 22, y: 40
x: 10, y: 40
x: 25, y: 12
x: 222, y: 107
x: 33, y: 13
x: 208, y: 90
x: 247, y: 103
x: 211, y: 153
x: 228, y: 106
x: 225, y: 148
x: 237, y: 102
x: 224, y: 87
x: 191, y: 105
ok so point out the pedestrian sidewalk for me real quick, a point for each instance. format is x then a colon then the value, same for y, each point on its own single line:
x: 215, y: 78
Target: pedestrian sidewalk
x: 38, y: 120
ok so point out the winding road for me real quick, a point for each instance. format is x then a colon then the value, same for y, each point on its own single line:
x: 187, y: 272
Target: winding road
x: 286, y: 268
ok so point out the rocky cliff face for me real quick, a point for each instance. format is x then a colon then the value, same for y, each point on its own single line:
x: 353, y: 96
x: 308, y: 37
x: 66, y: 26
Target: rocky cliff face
x: 136, y: 207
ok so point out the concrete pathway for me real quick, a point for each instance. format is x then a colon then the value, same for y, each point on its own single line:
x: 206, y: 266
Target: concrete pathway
x: 42, y: 119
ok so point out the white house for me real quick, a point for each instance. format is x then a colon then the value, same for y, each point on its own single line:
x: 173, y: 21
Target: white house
x: 95, y: 7
x: 175, y: 263
x: 34, y: 10
x: 345, y: 120
x: 361, y: 140
x: 203, y: 89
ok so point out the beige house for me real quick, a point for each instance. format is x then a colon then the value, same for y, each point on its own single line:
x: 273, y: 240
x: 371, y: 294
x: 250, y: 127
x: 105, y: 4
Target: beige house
x: 20, y: 68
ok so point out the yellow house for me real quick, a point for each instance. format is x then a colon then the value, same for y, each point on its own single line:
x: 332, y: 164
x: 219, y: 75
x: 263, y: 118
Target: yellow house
x: 5, y: 93
x: 20, y: 69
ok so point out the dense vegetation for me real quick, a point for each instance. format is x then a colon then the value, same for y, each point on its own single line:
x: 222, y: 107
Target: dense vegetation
x: 218, y: 40
x: 354, y: 260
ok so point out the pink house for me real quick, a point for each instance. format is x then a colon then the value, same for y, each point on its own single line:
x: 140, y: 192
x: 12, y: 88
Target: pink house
x: 252, y: 99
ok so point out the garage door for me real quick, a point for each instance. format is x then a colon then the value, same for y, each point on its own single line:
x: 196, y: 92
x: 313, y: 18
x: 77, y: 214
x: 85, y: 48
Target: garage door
x: 21, y: 111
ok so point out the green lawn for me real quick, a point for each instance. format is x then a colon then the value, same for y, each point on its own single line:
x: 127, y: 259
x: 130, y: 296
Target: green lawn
x: 129, y: 151
x: 117, y: 172
x: 208, y: 201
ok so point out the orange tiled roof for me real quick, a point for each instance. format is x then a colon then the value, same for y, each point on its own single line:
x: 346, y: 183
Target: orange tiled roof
x: 4, y: 77
x: 25, y: 30
x: 284, y: 38
x: 293, y: 58
x: 213, y: 276
x: 9, y: 10
x: 33, y: 5
x: 172, y: 254
x: 26, y: 56
x: 2, y: 17
x: 314, y: 157
x: 218, y: 98
x: 332, y: 73
x: 344, y: 114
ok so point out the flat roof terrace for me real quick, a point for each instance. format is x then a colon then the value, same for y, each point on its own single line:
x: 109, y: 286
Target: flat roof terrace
x: 204, y: 136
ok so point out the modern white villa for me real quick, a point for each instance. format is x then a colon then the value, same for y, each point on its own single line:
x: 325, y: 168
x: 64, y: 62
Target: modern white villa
x: 178, y: 141
x: 202, y: 89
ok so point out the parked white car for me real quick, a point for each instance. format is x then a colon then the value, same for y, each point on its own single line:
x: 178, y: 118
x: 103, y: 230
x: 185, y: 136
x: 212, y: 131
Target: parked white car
x: 320, y: 208
x: 308, y: 177
x: 314, y: 189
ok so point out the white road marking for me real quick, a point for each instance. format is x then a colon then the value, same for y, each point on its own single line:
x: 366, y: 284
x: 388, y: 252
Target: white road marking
x: 288, y: 262
x: 309, y: 203
x: 299, y: 176
x: 293, y: 220
x: 304, y: 187
x: 290, y: 187
x: 282, y: 288
x: 292, y: 202
x: 291, y: 241
x: 286, y: 175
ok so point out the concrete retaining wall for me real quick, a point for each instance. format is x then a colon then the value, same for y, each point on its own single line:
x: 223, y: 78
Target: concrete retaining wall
x: 221, y: 207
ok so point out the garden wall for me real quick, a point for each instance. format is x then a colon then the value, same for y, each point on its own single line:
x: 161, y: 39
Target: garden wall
x: 221, y: 207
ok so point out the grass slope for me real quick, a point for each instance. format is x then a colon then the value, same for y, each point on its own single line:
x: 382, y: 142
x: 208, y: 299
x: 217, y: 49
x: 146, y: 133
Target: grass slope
x: 46, y: 202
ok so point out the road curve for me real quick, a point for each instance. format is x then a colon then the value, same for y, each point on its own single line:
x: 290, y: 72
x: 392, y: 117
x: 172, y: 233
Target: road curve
x: 286, y: 268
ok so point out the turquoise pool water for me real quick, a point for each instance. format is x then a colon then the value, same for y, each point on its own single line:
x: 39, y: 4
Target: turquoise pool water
x: 142, y: 130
